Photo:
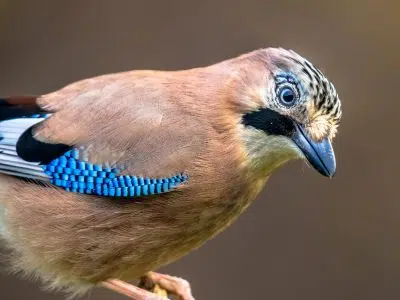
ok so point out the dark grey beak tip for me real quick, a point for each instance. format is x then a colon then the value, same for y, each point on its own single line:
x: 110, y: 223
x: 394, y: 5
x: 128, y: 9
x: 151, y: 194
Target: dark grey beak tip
x: 324, y: 160
x: 319, y: 154
x: 329, y: 171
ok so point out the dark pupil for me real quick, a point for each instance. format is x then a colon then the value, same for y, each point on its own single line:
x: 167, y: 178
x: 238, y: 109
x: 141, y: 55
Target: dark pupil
x: 287, y: 96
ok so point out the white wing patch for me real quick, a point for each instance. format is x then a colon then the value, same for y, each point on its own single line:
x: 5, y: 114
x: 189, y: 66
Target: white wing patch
x: 10, y: 163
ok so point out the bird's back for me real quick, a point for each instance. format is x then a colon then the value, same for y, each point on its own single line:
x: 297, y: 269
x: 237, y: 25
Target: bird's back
x: 147, y: 124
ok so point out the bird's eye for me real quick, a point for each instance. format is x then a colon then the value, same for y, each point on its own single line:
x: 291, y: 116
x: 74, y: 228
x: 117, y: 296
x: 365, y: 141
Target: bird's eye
x: 287, y: 96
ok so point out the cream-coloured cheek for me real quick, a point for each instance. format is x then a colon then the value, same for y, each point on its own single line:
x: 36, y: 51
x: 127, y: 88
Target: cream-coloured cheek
x: 267, y: 152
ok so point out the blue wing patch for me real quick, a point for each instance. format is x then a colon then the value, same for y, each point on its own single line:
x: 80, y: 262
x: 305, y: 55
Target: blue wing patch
x: 74, y: 175
x: 23, y: 156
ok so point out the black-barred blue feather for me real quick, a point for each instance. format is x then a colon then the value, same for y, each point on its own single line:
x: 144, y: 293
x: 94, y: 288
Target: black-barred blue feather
x: 23, y: 156
x: 72, y: 174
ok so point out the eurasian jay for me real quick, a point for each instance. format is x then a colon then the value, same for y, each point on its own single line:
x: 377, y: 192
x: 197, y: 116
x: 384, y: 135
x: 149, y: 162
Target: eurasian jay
x: 111, y: 177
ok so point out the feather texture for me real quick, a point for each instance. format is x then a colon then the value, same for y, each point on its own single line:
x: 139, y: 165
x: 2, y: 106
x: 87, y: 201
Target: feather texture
x: 10, y: 162
x: 166, y: 128
x: 21, y: 155
x: 154, y: 125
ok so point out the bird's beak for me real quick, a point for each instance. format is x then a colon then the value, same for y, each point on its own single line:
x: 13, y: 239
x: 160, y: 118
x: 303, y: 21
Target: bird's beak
x: 319, y: 154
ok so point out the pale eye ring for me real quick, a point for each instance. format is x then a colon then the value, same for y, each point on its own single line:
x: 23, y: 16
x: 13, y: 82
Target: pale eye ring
x: 287, y: 96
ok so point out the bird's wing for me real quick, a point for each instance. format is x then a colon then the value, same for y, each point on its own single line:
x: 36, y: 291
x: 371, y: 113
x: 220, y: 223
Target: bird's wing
x: 112, y: 135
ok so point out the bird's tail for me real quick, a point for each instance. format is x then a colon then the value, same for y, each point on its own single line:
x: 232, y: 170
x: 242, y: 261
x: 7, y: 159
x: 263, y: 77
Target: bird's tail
x: 17, y: 114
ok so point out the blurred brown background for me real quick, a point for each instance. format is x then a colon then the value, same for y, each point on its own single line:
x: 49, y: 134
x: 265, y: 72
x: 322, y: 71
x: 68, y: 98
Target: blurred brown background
x: 305, y: 237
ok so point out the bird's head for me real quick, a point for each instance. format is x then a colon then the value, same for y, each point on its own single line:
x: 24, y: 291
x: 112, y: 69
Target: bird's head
x: 294, y: 112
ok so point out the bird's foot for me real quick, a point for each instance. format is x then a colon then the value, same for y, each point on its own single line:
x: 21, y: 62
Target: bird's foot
x: 173, y: 285
x: 130, y: 290
x: 153, y: 286
x: 159, y: 291
x: 149, y: 285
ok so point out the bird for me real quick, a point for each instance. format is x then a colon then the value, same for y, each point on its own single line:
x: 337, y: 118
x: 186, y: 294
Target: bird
x: 107, y: 179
